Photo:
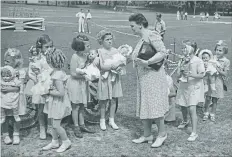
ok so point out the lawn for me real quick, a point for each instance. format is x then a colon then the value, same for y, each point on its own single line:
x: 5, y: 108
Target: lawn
x: 215, y: 139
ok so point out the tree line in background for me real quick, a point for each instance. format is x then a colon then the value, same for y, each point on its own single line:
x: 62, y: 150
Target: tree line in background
x: 224, y: 7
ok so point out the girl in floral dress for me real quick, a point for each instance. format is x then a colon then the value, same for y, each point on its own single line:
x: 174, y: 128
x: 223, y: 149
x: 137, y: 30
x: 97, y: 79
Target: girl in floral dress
x: 13, y: 58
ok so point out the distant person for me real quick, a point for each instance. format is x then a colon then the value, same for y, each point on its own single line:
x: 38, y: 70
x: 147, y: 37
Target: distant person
x: 160, y: 26
x: 178, y: 15
x: 185, y: 15
x: 216, y: 16
x: 88, y: 18
x: 81, y: 21
x: 207, y: 16
x: 182, y: 15
x: 202, y: 16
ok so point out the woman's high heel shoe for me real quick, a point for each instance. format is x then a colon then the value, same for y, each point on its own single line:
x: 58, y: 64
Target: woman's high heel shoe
x: 148, y: 139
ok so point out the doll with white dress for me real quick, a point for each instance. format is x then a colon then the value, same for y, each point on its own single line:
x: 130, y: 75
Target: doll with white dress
x: 210, y: 64
x: 124, y: 52
x: 91, y: 71
x: 10, y: 100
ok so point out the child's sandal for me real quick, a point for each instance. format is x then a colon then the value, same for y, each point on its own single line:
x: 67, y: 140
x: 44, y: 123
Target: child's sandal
x: 206, y: 116
x: 212, y: 117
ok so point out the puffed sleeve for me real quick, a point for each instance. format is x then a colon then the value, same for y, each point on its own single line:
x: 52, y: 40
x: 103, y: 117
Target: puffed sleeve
x: 157, y: 43
x: 200, y: 67
x: 73, y: 65
x: 59, y: 75
x: 227, y: 65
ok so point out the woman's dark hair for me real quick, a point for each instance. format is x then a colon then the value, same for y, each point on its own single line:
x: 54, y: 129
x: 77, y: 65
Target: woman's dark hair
x: 78, y: 43
x: 139, y: 19
x: 43, y: 39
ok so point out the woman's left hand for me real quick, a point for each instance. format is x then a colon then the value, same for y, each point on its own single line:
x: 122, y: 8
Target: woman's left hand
x: 142, y: 62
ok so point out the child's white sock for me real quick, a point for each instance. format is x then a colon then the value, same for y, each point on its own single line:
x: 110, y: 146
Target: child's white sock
x: 112, y: 123
x: 17, y: 118
x: 103, y: 124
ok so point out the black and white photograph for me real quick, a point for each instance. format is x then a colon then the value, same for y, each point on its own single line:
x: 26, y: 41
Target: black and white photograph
x: 116, y: 78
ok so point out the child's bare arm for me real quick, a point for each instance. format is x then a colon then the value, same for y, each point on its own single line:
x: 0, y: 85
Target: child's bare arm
x: 59, y: 91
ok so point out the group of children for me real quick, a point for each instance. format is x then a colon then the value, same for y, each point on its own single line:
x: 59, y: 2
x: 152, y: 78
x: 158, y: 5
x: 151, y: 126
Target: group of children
x: 57, y: 94
x: 202, y: 79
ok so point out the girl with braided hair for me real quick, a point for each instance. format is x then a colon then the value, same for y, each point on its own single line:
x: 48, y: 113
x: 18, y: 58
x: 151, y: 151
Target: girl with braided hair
x: 59, y: 105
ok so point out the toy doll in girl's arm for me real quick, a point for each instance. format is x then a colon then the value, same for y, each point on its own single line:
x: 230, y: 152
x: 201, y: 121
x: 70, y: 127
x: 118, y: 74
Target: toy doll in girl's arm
x: 90, y: 72
x: 119, y: 59
x: 9, y: 100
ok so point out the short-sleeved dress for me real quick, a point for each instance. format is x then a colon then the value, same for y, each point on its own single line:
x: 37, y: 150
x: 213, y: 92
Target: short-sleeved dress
x: 58, y: 107
x: 219, y: 92
x: 108, y: 89
x: 192, y: 92
x: 77, y: 87
x: 152, y: 88
x: 22, y: 98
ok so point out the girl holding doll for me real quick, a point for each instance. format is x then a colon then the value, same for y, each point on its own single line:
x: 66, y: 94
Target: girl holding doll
x: 78, y: 85
x: 190, y: 92
x: 13, y: 58
x: 108, y: 88
x: 221, y: 50
x: 39, y: 72
x: 59, y: 105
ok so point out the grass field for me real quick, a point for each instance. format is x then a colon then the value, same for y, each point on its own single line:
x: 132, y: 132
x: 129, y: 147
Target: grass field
x: 215, y: 139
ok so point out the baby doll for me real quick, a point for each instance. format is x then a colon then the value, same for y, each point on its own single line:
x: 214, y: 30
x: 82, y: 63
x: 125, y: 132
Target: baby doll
x: 91, y: 72
x: 210, y: 68
x: 9, y: 101
x: 34, y: 54
x: 43, y: 84
x: 124, y: 52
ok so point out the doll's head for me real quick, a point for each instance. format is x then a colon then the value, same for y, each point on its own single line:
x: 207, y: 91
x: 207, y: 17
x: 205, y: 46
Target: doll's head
x: 92, y: 55
x: 56, y: 58
x: 205, y: 55
x: 125, y: 50
x: 13, y: 58
x: 105, y: 38
x: 221, y: 49
x: 81, y: 44
x: 36, y: 68
x: 33, y: 51
x: 44, y: 43
x: 7, y: 73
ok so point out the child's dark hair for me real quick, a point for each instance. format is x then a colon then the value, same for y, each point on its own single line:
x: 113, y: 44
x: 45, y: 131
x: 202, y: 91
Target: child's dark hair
x: 139, y: 19
x: 78, y: 43
x: 43, y: 39
x: 56, y: 58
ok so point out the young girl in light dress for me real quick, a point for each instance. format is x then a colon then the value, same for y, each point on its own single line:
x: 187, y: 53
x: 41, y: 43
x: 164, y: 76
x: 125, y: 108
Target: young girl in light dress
x: 221, y: 50
x: 190, y: 93
x: 107, y: 89
x: 38, y: 59
x: 13, y: 58
x: 59, y: 105
x: 9, y: 101
x: 78, y: 85
x: 210, y: 69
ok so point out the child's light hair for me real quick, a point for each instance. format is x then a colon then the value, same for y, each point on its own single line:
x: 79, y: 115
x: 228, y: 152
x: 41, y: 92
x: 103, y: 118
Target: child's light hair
x: 56, y: 58
x: 101, y: 36
x: 16, y: 56
x: 223, y: 45
x: 8, y: 70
